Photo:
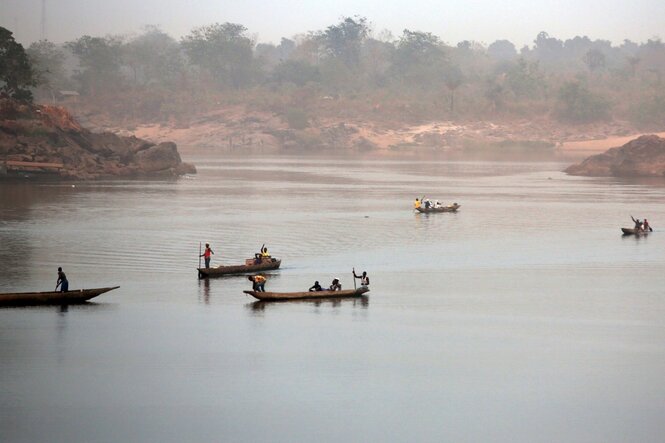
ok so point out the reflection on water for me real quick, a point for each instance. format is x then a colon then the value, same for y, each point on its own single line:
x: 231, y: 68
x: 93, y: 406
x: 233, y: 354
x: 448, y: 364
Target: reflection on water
x: 523, y: 316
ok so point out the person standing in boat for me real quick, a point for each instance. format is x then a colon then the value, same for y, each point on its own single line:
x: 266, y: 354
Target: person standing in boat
x: 62, y: 281
x: 206, y: 255
x: 364, y: 279
x: 416, y: 204
x: 258, y: 282
x: 264, y: 252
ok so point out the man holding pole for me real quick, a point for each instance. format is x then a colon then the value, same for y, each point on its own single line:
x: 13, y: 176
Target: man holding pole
x: 206, y: 255
x: 364, y: 279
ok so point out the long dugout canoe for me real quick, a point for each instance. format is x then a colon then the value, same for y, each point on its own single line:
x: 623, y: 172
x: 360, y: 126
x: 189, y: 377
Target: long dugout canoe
x: 51, y: 298
x: 221, y: 270
x: 274, y: 296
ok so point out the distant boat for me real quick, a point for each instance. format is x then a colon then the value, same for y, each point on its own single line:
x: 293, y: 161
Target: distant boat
x: 51, y: 298
x: 249, y: 267
x: 275, y: 296
x: 452, y: 208
x: 633, y: 231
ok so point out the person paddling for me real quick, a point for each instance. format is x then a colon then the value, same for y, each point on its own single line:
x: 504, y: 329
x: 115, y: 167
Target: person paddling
x: 316, y: 287
x: 638, y: 224
x: 62, y: 281
x: 206, y: 255
x: 646, y: 225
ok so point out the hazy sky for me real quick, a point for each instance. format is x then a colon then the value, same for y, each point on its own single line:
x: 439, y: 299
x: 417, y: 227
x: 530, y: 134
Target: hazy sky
x: 453, y: 20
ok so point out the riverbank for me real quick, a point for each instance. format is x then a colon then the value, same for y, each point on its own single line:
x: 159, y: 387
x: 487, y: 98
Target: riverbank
x: 49, y: 140
x: 234, y: 130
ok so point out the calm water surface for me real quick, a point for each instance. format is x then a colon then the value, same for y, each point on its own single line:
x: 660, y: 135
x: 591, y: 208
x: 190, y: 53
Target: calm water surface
x: 524, y: 317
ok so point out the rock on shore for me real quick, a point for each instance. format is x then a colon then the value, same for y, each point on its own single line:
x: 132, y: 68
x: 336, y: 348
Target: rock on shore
x: 642, y: 157
x: 49, y: 134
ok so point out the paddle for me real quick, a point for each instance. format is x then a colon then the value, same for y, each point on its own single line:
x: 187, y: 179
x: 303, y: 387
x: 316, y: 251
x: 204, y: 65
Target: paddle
x: 199, y: 254
x: 354, y: 278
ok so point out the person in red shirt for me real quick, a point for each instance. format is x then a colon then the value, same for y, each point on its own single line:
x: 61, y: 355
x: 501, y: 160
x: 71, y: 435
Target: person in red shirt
x: 206, y: 255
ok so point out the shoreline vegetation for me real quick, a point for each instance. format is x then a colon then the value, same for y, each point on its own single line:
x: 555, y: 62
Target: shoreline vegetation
x: 349, y: 88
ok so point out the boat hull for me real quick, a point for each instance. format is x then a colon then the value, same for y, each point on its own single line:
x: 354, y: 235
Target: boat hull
x: 276, y: 296
x: 51, y: 298
x: 451, y: 208
x: 633, y: 231
x: 220, y: 271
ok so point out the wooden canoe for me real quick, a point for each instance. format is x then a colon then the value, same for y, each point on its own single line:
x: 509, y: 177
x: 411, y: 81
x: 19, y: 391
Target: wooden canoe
x: 274, y: 296
x: 633, y: 231
x: 451, y: 208
x: 265, y: 265
x: 51, y: 298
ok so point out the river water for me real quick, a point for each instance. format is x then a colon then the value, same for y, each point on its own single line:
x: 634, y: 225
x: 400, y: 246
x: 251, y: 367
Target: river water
x: 524, y: 317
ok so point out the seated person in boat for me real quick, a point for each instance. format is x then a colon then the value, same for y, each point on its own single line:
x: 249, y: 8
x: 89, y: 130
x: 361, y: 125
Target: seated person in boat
x: 364, y: 279
x: 62, y: 281
x: 258, y: 282
x: 437, y: 204
x: 336, y: 285
x: 416, y: 204
x: 428, y: 204
x: 316, y: 287
x: 262, y: 254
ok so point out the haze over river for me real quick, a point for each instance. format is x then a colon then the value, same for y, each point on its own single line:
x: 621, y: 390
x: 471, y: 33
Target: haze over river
x: 524, y: 317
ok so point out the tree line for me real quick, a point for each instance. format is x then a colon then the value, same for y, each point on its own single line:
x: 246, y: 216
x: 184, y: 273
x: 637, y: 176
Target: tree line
x: 578, y: 80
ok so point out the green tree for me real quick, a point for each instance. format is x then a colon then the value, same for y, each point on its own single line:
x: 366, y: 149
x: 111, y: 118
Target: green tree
x: 419, y: 58
x: 48, y: 64
x: 297, y: 72
x: 225, y: 51
x: 344, y: 40
x: 633, y: 62
x: 576, y: 104
x: 100, y: 60
x: 16, y: 73
x: 453, y: 78
x: 594, y: 59
x: 502, y: 50
x: 525, y: 79
x: 154, y: 57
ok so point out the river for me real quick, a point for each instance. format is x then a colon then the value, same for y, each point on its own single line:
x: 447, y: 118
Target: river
x: 526, y: 316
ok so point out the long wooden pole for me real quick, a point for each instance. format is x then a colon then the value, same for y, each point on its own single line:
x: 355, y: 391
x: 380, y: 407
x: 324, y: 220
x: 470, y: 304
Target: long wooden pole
x: 199, y: 254
x: 354, y: 278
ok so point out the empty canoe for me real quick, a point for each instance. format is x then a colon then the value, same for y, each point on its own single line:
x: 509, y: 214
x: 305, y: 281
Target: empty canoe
x: 51, y: 298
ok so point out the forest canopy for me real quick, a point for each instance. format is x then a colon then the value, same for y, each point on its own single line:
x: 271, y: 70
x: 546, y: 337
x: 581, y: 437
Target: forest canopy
x: 577, y: 80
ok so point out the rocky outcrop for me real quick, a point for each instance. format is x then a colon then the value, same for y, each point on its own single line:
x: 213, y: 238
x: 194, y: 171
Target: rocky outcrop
x: 642, y: 157
x: 49, y: 134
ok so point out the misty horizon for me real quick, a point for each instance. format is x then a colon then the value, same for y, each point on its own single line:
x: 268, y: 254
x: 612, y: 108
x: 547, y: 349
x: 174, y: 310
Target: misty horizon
x: 483, y: 23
